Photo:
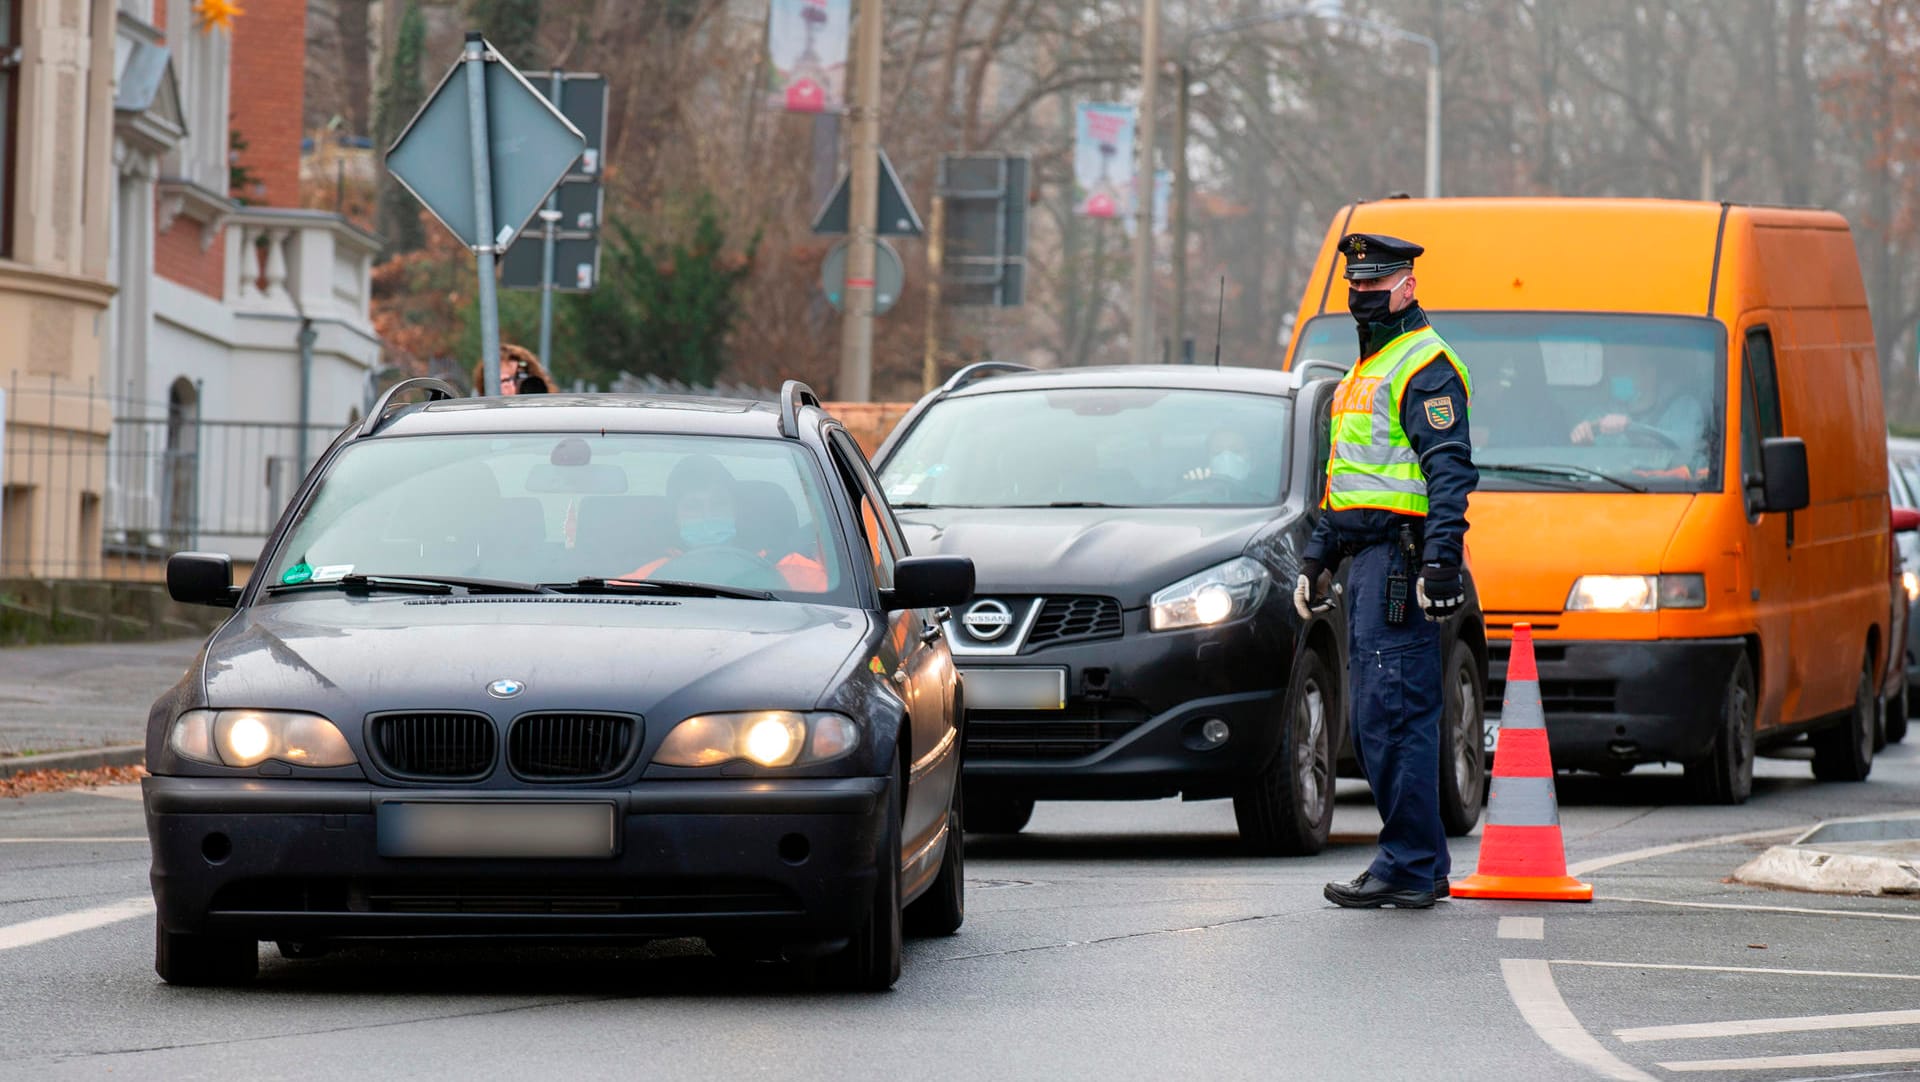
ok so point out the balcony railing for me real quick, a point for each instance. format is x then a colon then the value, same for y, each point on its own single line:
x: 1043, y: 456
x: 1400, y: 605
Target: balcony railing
x: 309, y: 263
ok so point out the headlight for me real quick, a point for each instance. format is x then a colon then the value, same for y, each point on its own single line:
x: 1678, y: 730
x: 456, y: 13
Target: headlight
x: 247, y: 737
x: 1912, y: 582
x: 1637, y: 593
x: 764, y: 737
x: 1215, y: 595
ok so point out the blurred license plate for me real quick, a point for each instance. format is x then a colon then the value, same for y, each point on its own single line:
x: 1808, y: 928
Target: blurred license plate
x: 495, y: 829
x: 1015, y: 689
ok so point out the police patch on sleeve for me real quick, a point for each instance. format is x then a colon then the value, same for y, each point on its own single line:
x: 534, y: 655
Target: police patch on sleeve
x: 1440, y: 411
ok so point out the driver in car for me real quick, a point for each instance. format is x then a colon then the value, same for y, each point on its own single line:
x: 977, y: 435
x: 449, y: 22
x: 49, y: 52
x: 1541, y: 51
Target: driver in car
x: 1676, y: 419
x: 1227, y: 459
x: 704, y: 500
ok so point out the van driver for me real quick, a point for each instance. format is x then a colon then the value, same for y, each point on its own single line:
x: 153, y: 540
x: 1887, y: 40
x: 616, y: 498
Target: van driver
x: 1664, y: 417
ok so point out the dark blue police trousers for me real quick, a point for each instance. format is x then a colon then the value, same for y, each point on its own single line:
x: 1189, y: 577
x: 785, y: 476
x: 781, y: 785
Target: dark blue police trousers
x: 1394, y: 677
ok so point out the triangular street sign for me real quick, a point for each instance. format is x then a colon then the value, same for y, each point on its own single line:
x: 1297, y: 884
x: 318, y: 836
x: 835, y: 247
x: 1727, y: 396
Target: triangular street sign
x: 531, y: 147
x: 897, y: 217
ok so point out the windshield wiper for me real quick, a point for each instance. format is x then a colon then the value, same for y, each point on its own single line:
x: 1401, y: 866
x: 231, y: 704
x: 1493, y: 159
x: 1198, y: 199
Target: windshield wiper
x: 1567, y: 473
x: 663, y: 587
x: 410, y: 584
x: 1081, y: 503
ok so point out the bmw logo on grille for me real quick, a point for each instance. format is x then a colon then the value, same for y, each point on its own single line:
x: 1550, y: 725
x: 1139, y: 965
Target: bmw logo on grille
x: 988, y: 620
x: 505, y: 689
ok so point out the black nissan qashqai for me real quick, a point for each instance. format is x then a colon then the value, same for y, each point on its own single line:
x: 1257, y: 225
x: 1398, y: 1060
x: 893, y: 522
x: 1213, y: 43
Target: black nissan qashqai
x: 567, y: 666
x: 1137, y: 533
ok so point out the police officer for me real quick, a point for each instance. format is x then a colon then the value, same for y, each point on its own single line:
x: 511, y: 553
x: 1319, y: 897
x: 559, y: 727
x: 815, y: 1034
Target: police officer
x: 1396, y: 502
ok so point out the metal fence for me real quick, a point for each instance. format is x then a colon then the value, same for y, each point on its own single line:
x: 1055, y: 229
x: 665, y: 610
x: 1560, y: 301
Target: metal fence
x: 98, y: 487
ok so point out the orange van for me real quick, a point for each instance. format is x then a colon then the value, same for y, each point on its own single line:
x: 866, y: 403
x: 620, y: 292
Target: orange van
x: 1677, y: 418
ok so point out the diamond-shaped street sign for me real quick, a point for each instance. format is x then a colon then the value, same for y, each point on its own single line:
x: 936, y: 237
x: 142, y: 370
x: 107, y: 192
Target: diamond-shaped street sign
x: 531, y: 147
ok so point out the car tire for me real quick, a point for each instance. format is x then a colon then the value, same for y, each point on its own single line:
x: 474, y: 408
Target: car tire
x: 1287, y: 809
x: 1844, y: 752
x: 943, y: 908
x: 999, y: 814
x: 187, y: 959
x: 1463, y: 757
x: 1898, y: 712
x: 1725, y: 775
x: 870, y: 962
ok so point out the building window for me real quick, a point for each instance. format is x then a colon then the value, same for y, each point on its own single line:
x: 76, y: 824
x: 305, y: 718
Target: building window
x: 10, y: 56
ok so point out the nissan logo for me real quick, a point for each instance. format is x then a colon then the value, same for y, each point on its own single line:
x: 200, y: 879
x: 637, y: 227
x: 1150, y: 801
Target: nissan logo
x: 988, y: 620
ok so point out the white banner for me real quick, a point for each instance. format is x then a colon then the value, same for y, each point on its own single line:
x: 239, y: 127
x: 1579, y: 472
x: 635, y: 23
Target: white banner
x: 807, y: 55
x: 1103, y: 160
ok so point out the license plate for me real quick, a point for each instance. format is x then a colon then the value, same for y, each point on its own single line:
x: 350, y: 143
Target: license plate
x: 1015, y: 689
x: 496, y: 829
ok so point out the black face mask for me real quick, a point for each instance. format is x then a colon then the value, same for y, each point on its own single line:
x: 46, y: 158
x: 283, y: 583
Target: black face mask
x: 1370, y: 306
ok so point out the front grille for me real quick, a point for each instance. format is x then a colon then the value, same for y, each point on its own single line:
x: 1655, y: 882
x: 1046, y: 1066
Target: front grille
x: 1083, y: 729
x: 1562, y: 696
x: 1066, y: 619
x: 443, y: 747
x: 505, y: 896
x: 570, y: 747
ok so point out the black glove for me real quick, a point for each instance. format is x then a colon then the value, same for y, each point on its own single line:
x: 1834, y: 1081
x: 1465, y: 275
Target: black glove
x: 1315, y: 590
x: 1440, y: 591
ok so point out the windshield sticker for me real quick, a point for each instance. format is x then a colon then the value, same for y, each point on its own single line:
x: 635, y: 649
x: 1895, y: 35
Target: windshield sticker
x: 332, y: 572
x: 297, y: 574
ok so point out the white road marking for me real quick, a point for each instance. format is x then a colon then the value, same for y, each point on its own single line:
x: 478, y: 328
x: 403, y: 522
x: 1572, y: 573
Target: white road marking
x: 52, y: 841
x: 1739, y: 969
x: 1862, y: 1058
x: 1586, y: 866
x: 1522, y: 928
x: 1797, y: 909
x: 1530, y: 983
x: 29, y: 932
x: 1747, y: 1027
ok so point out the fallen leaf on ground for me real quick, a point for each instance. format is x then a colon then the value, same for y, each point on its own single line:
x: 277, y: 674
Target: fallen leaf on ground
x: 30, y: 782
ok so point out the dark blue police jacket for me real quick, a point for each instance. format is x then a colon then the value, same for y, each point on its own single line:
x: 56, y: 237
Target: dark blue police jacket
x: 1446, y: 459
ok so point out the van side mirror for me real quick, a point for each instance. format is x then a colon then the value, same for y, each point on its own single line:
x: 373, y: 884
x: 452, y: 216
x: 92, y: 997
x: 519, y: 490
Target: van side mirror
x: 202, y: 578
x: 1905, y: 520
x: 929, y: 582
x: 1784, y: 462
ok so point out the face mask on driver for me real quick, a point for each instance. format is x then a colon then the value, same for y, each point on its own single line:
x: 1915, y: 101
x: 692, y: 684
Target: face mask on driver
x: 707, y: 531
x: 1230, y: 465
x: 1370, y: 305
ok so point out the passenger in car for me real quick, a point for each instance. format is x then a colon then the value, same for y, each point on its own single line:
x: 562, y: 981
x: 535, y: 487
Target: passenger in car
x: 706, y: 503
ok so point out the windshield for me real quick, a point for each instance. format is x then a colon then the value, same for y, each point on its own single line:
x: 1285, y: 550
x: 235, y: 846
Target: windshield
x: 1111, y: 447
x: 553, y: 508
x: 1579, y: 401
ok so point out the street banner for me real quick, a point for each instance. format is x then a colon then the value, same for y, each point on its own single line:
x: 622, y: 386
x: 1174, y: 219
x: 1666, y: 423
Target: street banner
x: 1103, y: 159
x: 807, y: 55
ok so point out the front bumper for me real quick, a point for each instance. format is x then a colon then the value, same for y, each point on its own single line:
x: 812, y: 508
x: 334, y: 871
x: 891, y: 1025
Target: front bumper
x: 301, y: 859
x: 1614, y: 704
x: 1134, y: 706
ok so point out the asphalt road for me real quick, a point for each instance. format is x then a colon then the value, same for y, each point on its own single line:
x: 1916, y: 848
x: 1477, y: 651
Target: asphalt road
x: 1113, y: 941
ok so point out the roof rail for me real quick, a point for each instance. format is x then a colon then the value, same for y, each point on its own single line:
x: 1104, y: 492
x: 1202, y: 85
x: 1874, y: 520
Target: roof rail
x: 793, y: 396
x: 436, y: 389
x: 978, y: 369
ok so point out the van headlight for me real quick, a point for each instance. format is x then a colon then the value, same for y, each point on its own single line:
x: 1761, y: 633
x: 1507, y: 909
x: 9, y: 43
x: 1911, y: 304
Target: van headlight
x: 762, y: 737
x: 249, y: 737
x: 1637, y: 593
x: 1216, y: 595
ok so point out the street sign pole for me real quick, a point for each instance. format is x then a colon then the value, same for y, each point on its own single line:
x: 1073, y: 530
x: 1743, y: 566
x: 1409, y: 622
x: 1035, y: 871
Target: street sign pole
x: 475, y: 59
x: 550, y: 216
x: 856, y: 334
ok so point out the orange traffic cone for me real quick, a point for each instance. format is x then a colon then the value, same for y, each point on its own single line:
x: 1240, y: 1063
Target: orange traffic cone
x: 1522, y: 854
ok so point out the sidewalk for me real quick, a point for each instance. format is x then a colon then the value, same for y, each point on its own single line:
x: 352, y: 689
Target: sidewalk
x: 55, y: 698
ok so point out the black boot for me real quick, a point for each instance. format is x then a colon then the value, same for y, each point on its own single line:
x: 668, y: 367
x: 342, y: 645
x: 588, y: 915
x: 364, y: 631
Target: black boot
x: 1366, y: 892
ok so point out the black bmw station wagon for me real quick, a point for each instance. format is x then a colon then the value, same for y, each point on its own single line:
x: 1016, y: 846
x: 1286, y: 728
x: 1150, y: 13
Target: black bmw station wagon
x: 567, y: 666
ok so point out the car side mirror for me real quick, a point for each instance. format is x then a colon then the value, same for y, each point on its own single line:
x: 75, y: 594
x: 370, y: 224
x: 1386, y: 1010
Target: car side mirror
x: 202, y: 578
x: 1905, y: 520
x: 929, y: 582
x: 1783, y: 460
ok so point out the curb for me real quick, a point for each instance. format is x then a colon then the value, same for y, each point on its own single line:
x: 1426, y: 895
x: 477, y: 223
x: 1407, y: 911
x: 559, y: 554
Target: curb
x: 88, y: 759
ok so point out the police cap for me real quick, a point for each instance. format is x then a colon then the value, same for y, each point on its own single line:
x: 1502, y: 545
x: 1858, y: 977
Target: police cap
x: 1375, y: 255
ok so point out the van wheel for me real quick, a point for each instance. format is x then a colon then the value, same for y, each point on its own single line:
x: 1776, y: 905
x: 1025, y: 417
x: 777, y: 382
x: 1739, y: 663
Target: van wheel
x: 1844, y: 752
x: 1287, y: 809
x: 1725, y: 776
x: 1897, y: 713
x: 1463, y: 757
x: 187, y: 959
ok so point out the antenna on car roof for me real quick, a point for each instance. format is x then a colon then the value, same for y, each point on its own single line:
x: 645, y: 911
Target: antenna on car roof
x: 1219, y: 320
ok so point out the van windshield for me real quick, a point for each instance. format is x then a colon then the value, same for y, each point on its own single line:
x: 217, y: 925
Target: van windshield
x: 1579, y: 401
